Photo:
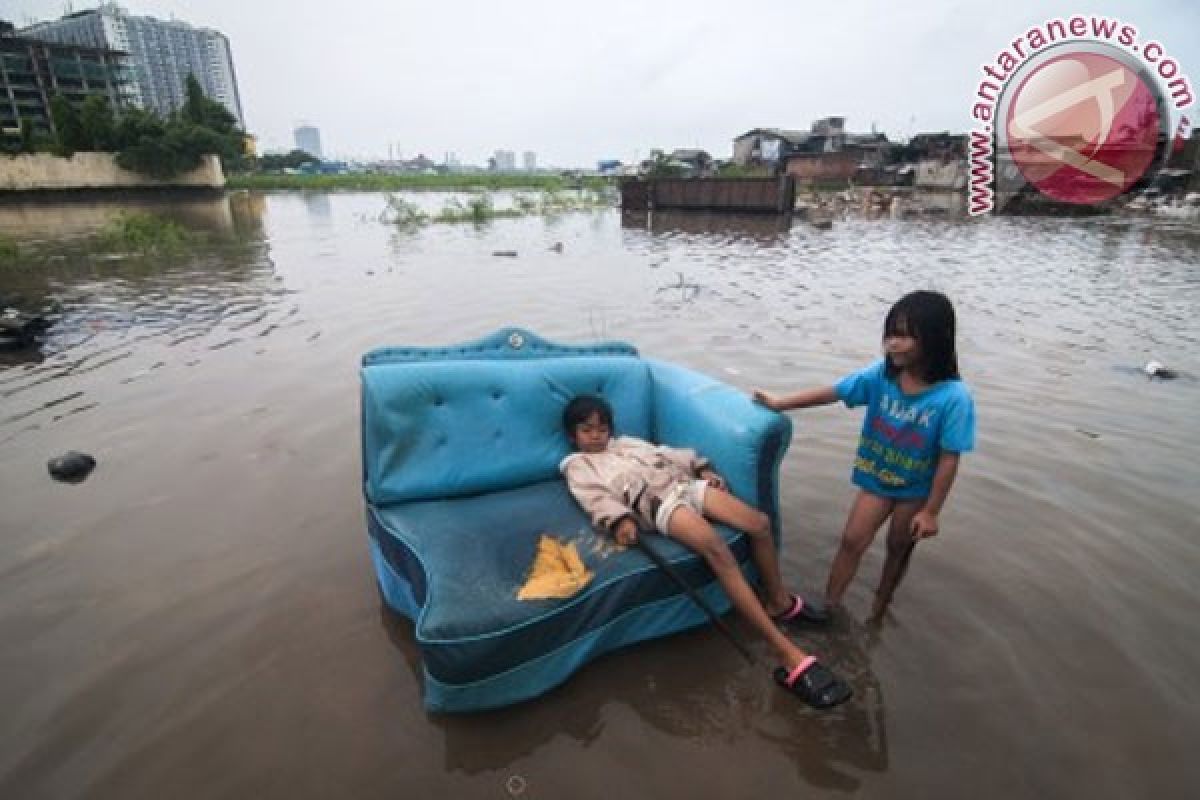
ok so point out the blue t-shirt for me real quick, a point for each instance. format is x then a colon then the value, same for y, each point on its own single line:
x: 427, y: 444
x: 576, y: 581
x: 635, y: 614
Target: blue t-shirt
x: 904, y: 434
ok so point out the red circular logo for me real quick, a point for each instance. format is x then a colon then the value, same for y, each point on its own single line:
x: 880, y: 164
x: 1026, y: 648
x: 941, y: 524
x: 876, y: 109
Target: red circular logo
x: 1083, y: 127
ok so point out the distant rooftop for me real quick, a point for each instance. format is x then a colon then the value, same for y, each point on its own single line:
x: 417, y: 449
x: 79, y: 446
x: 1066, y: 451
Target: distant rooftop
x: 792, y: 136
x: 115, y: 10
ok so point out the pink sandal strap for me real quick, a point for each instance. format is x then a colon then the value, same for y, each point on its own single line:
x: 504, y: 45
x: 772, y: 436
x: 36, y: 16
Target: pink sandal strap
x: 794, y: 611
x: 795, y: 674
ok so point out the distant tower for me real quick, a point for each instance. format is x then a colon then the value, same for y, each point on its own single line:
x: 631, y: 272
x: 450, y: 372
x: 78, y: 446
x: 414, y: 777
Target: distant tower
x: 530, y: 159
x: 505, y: 160
x: 308, y: 139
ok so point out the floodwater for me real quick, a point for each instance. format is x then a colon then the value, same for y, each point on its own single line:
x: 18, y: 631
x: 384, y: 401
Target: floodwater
x: 199, y: 619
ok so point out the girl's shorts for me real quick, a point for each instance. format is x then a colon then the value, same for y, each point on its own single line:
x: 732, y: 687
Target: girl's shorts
x: 687, y: 493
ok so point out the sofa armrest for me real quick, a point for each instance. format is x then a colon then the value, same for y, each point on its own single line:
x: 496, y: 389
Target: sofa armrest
x: 744, y: 441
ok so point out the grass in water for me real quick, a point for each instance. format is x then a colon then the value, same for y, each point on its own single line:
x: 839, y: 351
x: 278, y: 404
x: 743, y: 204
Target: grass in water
x: 402, y: 213
x: 144, y: 233
x: 8, y: 250
x: 480, y: 207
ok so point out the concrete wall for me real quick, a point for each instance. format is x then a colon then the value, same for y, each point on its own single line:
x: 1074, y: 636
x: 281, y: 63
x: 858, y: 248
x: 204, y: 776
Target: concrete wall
x: 934, y: 173
x: 42, y: 171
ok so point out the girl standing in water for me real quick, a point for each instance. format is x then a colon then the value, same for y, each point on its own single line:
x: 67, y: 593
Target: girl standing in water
x: 920, y: 419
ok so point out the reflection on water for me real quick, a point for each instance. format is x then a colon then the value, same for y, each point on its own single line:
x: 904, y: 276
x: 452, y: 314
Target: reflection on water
x: 216, y: 215
x: 199, y: 616
x: 317, y: 204
x: 660, y: 686
x: 761, y: 227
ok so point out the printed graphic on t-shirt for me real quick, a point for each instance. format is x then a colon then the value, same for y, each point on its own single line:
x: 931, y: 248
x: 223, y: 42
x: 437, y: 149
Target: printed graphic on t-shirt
x: 903, y: 435
x: 880, y: 452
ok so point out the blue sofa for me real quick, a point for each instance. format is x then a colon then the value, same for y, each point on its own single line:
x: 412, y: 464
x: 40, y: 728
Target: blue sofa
x: 461, y: 447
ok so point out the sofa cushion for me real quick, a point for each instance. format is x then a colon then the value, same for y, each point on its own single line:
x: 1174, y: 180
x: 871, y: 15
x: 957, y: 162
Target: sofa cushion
x: 465, y: 559
x: 455, y: 428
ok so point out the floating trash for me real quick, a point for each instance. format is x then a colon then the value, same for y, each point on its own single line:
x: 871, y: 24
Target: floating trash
x: 1156, y: 369
x: 71, y: 467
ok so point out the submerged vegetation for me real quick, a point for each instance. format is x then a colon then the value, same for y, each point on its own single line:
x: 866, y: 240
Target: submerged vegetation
x: 144, y: 234
x: 480, y: 207
x: 8, y: 250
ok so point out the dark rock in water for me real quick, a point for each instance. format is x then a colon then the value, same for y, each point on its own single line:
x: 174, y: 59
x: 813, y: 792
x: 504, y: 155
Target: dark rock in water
x: 505, y: 253
x: 19, y: 330
x: 71, y: 467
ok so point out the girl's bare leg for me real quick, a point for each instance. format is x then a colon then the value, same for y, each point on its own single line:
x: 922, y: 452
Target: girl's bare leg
x: 694, y: 532
x: 866, y: 515
x: 724, y: 507
x: 899, y: 550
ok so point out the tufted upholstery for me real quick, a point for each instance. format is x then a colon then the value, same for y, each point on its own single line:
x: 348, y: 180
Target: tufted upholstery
x: 461, y: 447
x: 467, y: 427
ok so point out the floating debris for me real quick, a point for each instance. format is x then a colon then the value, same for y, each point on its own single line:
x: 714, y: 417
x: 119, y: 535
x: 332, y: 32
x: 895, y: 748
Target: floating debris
x: 71, y: 467
x: 505, y: 253
x: 687, y: 289
x: 1156, y: 369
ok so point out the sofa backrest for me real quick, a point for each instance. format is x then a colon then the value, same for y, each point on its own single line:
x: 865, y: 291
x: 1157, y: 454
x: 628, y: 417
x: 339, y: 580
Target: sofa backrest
x: 487, y: 416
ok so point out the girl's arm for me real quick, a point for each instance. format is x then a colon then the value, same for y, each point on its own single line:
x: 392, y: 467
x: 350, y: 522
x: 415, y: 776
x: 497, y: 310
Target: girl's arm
x: 925, y: 522
x: 595, y: 497
x: 808, y: 398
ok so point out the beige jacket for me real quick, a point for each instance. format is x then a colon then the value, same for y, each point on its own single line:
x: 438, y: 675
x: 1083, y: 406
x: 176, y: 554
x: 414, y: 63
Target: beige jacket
x: 606, y: 484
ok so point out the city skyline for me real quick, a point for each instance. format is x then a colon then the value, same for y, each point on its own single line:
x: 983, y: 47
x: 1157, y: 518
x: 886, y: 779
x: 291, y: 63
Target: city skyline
x: 161, y: 54
x: 616, y: 83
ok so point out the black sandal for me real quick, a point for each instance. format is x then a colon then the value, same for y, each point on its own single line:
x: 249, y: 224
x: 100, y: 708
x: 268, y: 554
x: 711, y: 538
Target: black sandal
x: 803, y: 612
x: 814, y: 683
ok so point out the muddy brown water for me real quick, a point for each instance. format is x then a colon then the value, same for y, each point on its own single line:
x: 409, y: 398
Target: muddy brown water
x: 199, y: 619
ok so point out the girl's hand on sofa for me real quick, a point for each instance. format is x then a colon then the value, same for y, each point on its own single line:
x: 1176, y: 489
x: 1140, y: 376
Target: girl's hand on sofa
x: 626, y: 532
x: 712, y: 479
x: 767, y: 399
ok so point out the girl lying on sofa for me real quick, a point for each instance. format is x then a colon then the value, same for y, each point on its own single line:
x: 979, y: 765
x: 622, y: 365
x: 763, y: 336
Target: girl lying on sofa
x: 625, y: 484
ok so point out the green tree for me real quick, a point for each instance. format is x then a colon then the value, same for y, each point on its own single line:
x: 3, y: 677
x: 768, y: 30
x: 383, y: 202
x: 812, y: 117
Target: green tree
x: 142, y: 144
x: 291, y: 160
x: 28, y: 138
x: 163, y: 148
x: 99, y: 129
x: 661, y: 166
x: 135, y: 125
x: 200, y: 109
x: 68, y: 128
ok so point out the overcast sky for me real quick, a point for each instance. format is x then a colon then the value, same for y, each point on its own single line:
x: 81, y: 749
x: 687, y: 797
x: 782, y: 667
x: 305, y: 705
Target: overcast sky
x: 576, y: 82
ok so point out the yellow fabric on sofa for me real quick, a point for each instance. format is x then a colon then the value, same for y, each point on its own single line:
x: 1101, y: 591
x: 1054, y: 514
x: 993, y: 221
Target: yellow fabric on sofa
x: 557, y: 571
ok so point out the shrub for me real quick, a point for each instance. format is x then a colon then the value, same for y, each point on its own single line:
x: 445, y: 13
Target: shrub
x: 144, y: 233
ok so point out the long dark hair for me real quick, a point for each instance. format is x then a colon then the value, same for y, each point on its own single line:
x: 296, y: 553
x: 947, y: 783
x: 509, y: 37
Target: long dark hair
x: 928, y: 317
